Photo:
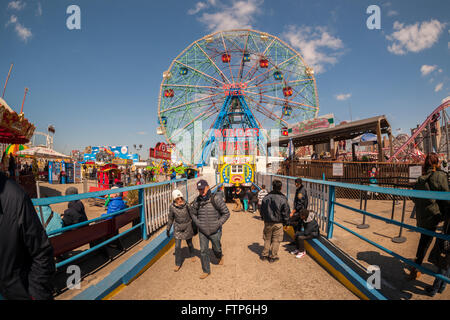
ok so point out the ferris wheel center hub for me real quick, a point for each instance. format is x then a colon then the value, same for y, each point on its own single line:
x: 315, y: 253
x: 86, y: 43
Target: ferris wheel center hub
x: 234, y: 89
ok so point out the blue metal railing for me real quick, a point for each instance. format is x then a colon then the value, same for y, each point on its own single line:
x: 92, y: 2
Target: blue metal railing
x: 142, y: 224
x: 400, y: 192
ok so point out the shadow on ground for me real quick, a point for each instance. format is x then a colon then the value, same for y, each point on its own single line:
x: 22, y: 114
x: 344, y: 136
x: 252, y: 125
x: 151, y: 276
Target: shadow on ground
x: 395, y: 285
x: 94, y: 261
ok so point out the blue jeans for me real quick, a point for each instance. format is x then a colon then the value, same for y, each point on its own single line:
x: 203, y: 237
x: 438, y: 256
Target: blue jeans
x: 204, y: 248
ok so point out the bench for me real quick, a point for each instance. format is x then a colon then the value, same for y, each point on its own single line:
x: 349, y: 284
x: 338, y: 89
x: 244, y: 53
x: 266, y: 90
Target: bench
x: 92, y: 234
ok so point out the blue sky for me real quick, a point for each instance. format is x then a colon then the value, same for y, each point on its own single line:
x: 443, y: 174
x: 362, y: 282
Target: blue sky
x: 100, y: 85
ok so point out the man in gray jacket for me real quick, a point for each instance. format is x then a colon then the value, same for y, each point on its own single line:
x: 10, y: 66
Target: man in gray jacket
x: 209, y: 213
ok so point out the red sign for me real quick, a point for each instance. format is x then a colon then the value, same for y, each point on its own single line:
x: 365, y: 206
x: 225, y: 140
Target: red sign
x: 237, y: 133
x: 160, y: 151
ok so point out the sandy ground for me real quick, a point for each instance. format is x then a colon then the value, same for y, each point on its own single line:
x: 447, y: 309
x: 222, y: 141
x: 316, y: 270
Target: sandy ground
x: 243, y: 275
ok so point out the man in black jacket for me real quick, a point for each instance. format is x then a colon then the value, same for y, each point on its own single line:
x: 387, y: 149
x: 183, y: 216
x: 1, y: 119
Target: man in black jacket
x: 209, y: 213
x: 275, y: 214
x: 26, y: 255
x: 301, y: 197
x: 75, y: 210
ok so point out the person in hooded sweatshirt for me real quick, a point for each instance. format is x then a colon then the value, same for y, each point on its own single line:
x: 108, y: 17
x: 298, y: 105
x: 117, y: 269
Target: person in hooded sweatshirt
x: 75, y: 210
x: 180, y: 218
x: 310, y: 230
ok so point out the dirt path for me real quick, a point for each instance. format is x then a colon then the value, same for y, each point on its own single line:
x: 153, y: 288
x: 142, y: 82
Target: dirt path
x: 243, y: 276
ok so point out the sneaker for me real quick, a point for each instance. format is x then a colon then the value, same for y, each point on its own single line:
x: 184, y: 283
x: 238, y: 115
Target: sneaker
x: 263, y: 258
x: 295, y: 252
x: 204, y: 275
x: 300, y: 254
x: 272, y: 260
x: 414, y: 275
x: 176, y: 268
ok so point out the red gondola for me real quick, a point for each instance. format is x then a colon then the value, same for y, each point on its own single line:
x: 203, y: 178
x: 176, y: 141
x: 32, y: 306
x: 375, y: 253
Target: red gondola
x: 226, y: 58
x: 287, y: 91
x: 168, y: 93
x: 263, y: 63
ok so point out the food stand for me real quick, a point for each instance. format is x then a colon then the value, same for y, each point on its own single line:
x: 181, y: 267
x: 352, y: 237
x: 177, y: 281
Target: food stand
x: 16, y: 129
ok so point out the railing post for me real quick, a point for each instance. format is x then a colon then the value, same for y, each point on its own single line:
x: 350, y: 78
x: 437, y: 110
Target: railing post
x: 399, y: 238
x: 287, y: 188
x: 331, y: 199
x: 142, y: 208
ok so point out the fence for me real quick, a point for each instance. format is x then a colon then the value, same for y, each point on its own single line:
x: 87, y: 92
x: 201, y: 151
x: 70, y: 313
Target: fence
x: 388, y: 174
x: 153, y: 206
x: 318, y: 194
x: 326, y: 213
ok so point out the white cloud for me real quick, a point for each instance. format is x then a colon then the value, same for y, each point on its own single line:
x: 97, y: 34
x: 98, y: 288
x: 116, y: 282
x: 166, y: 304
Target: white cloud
x: 426, y: 69
x: 415, y: 37
x: 438, y: 87
x: 317, y: 46
x: 198, y: 6
x: 12, y: 20
x: 392, y: 13
x: 343, y: 96
x: 16, y: 5
x: 239, y: 15
x: 23, y: 32
x: 39, y: 9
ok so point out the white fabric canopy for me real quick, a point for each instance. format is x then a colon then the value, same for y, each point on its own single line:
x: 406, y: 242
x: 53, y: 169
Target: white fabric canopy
x: 41, y: 152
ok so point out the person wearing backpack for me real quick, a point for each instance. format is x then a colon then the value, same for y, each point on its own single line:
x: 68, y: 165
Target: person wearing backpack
x: 209, y: 213
x: 429, y: 211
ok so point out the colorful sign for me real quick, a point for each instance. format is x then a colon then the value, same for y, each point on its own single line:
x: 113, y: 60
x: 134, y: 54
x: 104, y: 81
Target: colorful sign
x: 117, y: 152
x: 322, y: 122
x: 122, y: 162
x: 160, y: 151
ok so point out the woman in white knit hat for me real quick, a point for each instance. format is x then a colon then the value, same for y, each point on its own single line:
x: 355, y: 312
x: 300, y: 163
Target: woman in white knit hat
x: 179, y: 216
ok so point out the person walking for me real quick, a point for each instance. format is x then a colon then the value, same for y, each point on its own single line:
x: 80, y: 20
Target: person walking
x: 252, y: 199
x: 180, y: 218
x: 275, y: 214
x: 261, y: 194
x: 209, y: 214
x: 428, y: 211
x: 237, y: 198
x: 27, y: 265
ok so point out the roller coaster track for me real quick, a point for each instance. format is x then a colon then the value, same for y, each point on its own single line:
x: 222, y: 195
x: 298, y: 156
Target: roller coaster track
x: 429, y: 119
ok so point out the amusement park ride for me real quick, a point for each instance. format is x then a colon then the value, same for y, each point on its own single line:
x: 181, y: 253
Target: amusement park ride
x: 406, y: 148
x: 235, y: 80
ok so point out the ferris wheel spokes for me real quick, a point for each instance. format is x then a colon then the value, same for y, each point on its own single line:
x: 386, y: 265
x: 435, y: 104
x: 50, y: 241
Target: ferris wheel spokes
x: 271, y: 69
x: 200, y: 72
x: 279, y: 99
x: 257, y: 60
x: 214, y: 64
x: 193, y: 101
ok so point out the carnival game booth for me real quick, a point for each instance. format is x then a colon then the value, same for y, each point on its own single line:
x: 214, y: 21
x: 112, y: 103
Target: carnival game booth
x: 56, y: 166
x: 16, y: 129
x: 107, y: 175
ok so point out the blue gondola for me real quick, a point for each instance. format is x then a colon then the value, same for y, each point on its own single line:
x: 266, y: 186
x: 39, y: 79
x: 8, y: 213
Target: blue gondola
x: 277, y: 75
x: 183, y: 71
x: 287, y: 111
x: 246, y: 57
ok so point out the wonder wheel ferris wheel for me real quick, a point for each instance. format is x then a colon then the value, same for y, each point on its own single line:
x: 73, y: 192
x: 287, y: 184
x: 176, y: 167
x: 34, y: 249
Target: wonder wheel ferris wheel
x: 233, y: 79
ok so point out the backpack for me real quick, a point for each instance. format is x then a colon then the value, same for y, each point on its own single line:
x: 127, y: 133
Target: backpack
x: 422, y: 184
